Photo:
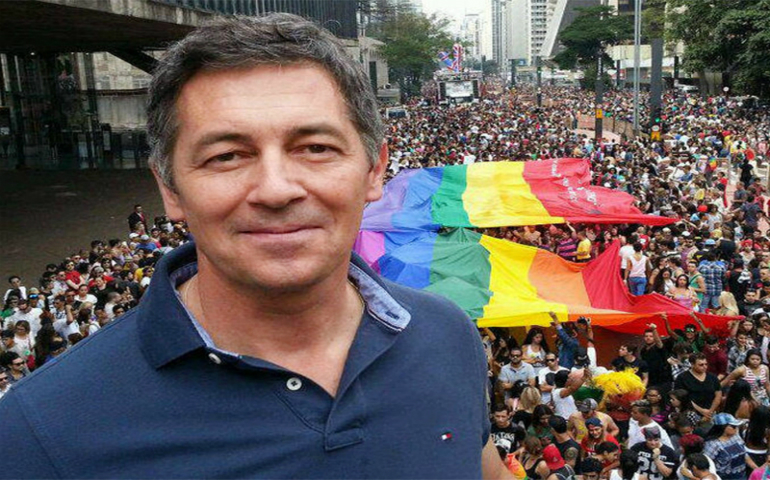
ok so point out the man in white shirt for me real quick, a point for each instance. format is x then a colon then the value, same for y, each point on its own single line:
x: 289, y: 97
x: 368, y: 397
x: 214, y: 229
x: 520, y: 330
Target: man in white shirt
x: 25, y: 312
x: 640, y: 421
x: 545, y: 378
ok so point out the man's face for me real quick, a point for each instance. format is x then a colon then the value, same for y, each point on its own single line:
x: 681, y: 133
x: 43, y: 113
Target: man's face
x: 15, y: 282
x: 700, y: 366
x: 653, y: 443
x: 751, y: 297
x: 595, y: 431
x: 552, y: 362
x: 689, y: 333
x: 502, y: 419
x: 515, y: 357
x: 649, y: 338
x: 284, y: 172
x: 17, y: 364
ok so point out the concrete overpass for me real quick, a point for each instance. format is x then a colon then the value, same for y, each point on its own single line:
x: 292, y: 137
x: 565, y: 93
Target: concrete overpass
x: 122, y: 27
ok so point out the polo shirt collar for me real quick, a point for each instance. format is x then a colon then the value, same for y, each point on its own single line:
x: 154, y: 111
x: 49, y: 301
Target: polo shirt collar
x: 169, y: 331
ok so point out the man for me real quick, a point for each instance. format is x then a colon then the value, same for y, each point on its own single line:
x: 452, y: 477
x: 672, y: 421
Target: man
x: 627, y: 359
x: 699, y: 467
x: 556, y: 464
x: 266, y: 140
x: 16, y: 288
x: 656, y: 460
x: 713, y: 272
x: 596, y: 436
x: 568, y: 342
x: 641, y: 421
x: 545, y: 378
x: 716, y: 357
x: 704, y: 388
x: 5, y: 385
x: 587, y: 409
x: 654, y: 354
x: 137, y: 217
x: 27, y: 313
x: 504, y: 429
x: 680, y: 361
x: 750, y: 303
x: 513, y: 372
x: 569, y: 448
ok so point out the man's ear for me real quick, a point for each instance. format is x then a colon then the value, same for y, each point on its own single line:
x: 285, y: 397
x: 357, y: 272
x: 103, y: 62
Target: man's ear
x: 170, y: 197
x: 377, y: 174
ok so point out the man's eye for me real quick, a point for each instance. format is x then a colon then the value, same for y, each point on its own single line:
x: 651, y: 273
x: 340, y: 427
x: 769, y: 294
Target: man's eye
x: 225, y: 157
x: 318, y: 149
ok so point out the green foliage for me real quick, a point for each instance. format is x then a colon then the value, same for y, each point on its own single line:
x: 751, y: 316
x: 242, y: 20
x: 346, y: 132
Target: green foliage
x: 594, y: 29
x: 731, y: 36
x: 653, y: 20
x: 412, y: 42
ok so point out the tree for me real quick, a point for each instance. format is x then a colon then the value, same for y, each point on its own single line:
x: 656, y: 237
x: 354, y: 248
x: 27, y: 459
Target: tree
x: 589, y: 35
x: 412, y: 42
x: 728, y: 36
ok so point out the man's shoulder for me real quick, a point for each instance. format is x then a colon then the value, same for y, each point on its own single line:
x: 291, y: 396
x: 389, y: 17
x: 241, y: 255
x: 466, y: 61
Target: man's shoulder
x: 102, y: 355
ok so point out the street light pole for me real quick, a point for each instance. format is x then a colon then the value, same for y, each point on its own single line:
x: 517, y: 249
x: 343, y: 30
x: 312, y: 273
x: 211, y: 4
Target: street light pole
x: 637, y: 59
x: 539, y: 81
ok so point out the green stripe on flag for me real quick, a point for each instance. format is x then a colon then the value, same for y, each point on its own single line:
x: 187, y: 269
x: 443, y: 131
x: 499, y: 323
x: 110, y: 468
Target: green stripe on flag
x: 460, y: 270
x: 447, y: 203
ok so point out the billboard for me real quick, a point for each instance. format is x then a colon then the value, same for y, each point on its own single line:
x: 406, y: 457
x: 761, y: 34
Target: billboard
x: 459, y: 89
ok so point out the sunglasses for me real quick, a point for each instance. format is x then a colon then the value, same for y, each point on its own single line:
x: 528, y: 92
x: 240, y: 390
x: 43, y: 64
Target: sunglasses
x: 17, y: 364
x: 515, y: 356
x: 549, y: 360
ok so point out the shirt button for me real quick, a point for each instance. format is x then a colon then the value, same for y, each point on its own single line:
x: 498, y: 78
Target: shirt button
x: 215, y: 359
x: 294, y: 384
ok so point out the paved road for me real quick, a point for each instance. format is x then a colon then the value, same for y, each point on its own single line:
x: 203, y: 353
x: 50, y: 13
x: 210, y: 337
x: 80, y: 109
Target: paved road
x: 47, y: 215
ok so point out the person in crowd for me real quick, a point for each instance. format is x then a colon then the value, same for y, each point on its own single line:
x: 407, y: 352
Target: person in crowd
x: 660, y: 410
x: 704, y: 388
x: 627, y: 359
x: 532, y: 459
x: 756, y: 437
x: 641, y: 421
x: 586, y: 410
x: 691, y: 444
x: 540, y: 428
x: 636, y: 270
x: 596, y: 435
x: 529, y: 398
x: 504, y: 428
x: 545, y: 378
x: 655, y: 355
x: 716, y: 357
x: 568, y: 447
x: 726, y: 448
x: 657, y: 460
x: 558, y: 467
x: 755, y: 374
x: 515, y: 371
x: 534, y: 349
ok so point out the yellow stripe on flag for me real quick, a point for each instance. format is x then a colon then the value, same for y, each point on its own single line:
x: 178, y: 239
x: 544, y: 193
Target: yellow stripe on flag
x: 515, y: 301
x: 497, y: 194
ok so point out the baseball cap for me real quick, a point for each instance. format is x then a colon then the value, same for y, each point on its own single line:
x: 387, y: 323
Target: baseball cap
x: 144, y: 237
x: 686, y: 234
x: 553, y: 458
x: 651, y: 433
x: 710, y: 241
x: 593, y: 422
x: 34, y: 291
x: 503, y: 443
x: 727, y: 419
x: 133, y: 235
x: 587, y: 405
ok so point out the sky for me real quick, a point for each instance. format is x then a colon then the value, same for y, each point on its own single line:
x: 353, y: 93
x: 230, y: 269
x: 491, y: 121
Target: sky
x: 454, y: 9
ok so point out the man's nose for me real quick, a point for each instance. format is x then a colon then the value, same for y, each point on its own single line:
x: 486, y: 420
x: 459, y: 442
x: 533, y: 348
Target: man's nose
x: 275, y: 181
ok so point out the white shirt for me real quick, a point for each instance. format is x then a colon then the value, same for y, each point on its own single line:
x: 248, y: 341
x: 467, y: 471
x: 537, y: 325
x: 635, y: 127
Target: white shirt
x: 33, y: 317
x: 546, y: 396
x: 563, y: 407
x: 636, y: 435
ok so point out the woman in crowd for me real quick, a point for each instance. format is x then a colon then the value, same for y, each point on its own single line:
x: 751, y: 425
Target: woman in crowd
x: 679, y: 400
x: 529, y: 399
x: 660, y: 410
x: 539, y: 427
x: 754, y: 373
x: 532, y: 459
x: 726, y: 448
x: 728, y: 307
x: 535, y: 348
x: 739, y: 401
x: 755, y: 437
x: 24, y: 340
x: 682, y: 294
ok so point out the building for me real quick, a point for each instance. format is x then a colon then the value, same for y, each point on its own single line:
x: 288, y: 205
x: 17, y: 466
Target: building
x: 73, y: 87
x: 564, y: 13
x: 471, y: 33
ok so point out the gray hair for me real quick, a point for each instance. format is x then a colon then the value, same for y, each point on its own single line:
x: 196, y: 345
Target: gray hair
x: 242, y: 42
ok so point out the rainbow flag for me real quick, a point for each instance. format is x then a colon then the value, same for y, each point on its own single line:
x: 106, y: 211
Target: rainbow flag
x: 505, y: 284
x: 496, y: 194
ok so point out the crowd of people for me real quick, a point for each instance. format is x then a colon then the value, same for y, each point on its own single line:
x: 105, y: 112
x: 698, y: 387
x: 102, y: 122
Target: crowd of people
x: 691, y: 404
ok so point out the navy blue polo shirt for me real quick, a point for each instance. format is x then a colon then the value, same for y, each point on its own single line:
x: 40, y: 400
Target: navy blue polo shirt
x: 150, y: 396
